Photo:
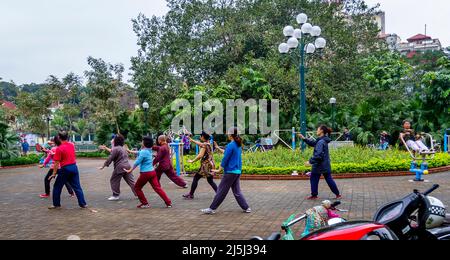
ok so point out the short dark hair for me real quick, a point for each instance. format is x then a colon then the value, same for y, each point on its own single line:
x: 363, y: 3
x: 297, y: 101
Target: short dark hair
x: 148, y: 141
x: 119, y: 140
x: 63, y: 136
x: 206, y: 136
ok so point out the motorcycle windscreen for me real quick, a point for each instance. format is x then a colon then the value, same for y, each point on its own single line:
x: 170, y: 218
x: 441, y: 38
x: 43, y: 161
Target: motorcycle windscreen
x: 389, y: 213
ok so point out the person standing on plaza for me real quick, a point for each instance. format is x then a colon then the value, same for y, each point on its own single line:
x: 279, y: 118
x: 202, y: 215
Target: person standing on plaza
x: 163, y: 162
x: 231, y: 166
x: 206, y: 158
x: 65, y: 157
x: 119, y: 157
x: 49, y: 160
x: 148, y: 174
x: 25, y: 147
x: 320, y: 162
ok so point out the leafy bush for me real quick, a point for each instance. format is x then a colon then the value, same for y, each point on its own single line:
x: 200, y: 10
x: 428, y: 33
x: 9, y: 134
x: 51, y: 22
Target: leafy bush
x: 24, y: 160
x: 345, y: 160
x: 92, y: 155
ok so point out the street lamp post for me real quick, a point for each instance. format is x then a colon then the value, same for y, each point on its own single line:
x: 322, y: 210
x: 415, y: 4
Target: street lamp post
x: 49, y: 118
x: 306, y: 31
x: 333, y: 112
x: 146, y: 106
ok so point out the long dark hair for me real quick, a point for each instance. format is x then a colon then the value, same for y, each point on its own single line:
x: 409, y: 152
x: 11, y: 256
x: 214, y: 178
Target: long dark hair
x: 326, y: 130
x: 57, y: 141
x: 234, y: 133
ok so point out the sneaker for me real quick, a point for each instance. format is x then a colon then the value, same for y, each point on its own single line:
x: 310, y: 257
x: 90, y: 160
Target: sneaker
x: 143, y: 206
x: 188, y: 197
x: 72, y: 196
x: 53, y: 208
x: 208, y: 211
x: 248, y: 211
x: 169, y: 206
x: 338, y: 197
x: 312, y: 198
x: 186, y: 187
x: 44, y: 196
x: 84, y: 207
x: 114, y: 198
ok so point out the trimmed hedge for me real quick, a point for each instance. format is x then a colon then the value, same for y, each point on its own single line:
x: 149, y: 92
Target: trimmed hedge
x: 373, y: 165
x: 92, y: 155
x: 24, y: 160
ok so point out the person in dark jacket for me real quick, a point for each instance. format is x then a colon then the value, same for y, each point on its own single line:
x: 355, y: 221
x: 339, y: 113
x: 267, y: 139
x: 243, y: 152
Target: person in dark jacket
x: 320, y: 162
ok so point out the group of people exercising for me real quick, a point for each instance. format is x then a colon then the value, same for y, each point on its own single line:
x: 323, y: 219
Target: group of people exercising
x: 155, y: 160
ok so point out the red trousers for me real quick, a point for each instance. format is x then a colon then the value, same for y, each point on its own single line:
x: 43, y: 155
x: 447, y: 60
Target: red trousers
x: 150, y: 177
x: 172, y: 176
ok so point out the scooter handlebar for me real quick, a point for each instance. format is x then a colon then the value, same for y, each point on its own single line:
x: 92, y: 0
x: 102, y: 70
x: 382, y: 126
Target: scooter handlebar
x: 335, y: 204
x: 435, y: 187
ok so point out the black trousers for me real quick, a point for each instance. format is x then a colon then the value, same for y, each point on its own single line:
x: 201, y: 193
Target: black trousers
x: 197, y: 178
x: 47, y: 184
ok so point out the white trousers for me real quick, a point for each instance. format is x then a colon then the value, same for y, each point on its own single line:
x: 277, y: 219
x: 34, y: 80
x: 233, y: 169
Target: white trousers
x: 417, y: 146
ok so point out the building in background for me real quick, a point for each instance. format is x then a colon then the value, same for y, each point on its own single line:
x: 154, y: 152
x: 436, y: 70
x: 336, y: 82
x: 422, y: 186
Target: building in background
x: 419, y: 43
x: 380, y: 20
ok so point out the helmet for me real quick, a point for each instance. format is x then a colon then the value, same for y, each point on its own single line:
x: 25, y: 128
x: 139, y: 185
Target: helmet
x: 437, y: 213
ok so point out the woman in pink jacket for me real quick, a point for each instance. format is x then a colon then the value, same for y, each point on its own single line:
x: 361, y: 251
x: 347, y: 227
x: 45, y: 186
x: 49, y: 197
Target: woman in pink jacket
x: 50, y: 153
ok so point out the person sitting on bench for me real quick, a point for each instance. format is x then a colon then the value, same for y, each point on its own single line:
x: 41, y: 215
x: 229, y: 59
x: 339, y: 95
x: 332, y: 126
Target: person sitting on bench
x: 413, y: 141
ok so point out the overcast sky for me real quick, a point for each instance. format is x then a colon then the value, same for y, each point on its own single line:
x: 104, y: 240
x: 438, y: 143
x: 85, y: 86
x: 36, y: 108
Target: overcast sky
x: 39, y: 38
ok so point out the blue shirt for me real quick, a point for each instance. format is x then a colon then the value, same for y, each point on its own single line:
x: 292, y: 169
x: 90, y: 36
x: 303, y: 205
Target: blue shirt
x: 232, y: 160
x: 145, y: 161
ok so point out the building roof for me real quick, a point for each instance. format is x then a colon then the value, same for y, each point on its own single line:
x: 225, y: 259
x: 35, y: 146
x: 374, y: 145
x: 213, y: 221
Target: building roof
x: 8, y: 105
x: 419, y: 37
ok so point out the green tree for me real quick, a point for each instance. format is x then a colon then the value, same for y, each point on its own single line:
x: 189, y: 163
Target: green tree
x: 33, y: 109
x: 205, y: 42
x: 104, y: 89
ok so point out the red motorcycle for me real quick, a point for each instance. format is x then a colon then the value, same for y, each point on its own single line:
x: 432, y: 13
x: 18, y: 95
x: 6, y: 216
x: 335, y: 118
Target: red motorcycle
x: 405, y: 219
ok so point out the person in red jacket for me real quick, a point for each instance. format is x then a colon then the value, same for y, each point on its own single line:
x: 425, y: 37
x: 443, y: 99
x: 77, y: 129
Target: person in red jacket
x: 163, y: 162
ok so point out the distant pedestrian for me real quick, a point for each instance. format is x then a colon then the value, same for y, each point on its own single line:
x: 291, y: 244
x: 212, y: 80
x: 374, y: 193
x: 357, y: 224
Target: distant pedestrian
x: 25, y: 147
x: 186, y: 144
x: 347, y: 135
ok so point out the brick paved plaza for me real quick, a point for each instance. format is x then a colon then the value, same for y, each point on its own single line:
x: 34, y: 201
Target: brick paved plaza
x: 23, y: 215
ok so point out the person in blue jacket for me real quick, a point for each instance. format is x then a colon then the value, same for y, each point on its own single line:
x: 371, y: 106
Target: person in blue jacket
x: 320, y: 162
x: 232, y: 168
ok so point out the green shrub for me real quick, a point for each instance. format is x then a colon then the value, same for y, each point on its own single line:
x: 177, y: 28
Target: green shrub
x: 24, y: 160
x: 92, y: 155
x: 345, y: 160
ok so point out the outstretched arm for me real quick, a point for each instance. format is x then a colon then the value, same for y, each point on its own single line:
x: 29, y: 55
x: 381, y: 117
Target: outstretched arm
x: 222, y: 151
